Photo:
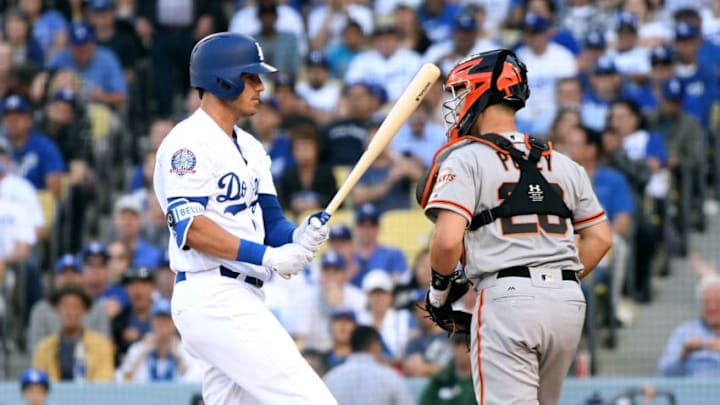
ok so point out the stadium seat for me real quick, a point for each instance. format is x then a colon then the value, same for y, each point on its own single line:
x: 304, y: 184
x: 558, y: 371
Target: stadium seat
x: 408, y: 230
x: 49, y: 206
x: 340, y: 173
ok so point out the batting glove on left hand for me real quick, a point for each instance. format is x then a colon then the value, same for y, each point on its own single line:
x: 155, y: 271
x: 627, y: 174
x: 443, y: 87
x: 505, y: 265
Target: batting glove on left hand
x: 311, y: 233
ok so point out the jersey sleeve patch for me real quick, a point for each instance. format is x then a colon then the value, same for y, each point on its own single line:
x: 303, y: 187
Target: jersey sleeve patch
x: 183, y: 162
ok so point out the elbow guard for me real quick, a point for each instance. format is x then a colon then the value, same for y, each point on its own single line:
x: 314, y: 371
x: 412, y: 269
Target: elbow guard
x: 180, y: 214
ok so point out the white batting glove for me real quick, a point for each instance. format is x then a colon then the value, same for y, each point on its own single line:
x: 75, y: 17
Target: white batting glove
x: 287, y: 260
x: 311, y: 233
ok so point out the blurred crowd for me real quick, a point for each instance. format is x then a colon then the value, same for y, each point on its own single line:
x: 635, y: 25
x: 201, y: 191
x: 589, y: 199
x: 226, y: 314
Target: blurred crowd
x: 89, y: 89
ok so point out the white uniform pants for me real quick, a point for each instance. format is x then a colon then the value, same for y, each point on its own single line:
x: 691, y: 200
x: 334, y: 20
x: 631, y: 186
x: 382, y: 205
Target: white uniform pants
x: 251, y: 358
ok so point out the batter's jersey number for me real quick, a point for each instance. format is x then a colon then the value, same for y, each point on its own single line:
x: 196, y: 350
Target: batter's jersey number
x: 511, y: 228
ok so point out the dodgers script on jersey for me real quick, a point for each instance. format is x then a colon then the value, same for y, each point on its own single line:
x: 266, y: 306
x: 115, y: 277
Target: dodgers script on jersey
x: 467, y: 187
x: 197, y: 162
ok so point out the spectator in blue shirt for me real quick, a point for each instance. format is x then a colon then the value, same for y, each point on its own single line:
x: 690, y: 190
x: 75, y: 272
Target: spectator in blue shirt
x: 340, y: 55
x: 128, y: 225
x: 36, y: 156
x: 693, y: 349
x: 436, y: 18
x: 370, y: 254
x: 420, y: 137
x: 98, y: 67
x: 606, y: 87
x: 709, y: 52
x: 49, y: 25
x: 700, y: 83
x: 17, y: 33
x: 266, y: 128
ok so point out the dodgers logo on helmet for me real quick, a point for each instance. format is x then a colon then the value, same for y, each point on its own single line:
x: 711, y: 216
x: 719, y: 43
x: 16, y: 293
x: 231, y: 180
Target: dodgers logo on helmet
x: 183, y: 162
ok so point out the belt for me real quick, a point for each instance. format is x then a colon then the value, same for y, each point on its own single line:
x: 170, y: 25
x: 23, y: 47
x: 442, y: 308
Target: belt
x: 225, y: 272
x: 522, y: 271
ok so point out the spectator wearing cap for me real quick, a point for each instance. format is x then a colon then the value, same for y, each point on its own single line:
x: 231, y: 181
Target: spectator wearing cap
x: 387, y: 182
x: 133, y: 322
x: 44, y: 321
x: 281, y: 48
x: 420, y: 137
x: 579, y: 17
x: 171, y: 29
x: 74, y: 352
x: 605, y: 87
x: 34, y: 386
x: 118, y: 261
x: 428, y: 351
x: 700, y: 83
x: 327, y: 21
x: 559, y: 35
x: 48, y: 26
x: 98, y: 281
x: 652, y: 29
x: 549, y: 62
x: 662, y: 60
x: 346, y: 49
x: 289, y: 103
x: 453, y: 384
x: 115, y: 34
x: 342, y: 324
x: 18, y: 189
x: 631, y: 59
x: 159, y: 356
x: 594, y: 46
x: 128, y: 212
x: 685, y: 139
x: 393, y: 324
x: 309, y: 184
x: 36, y: 157
x: 330, y: 294
x: 436, y: 18
x: 266, y: 126
x: 25, y: 49
x: 341, y: 241
x: 369, y: 253
x: 320, y: 92
x: 386, y: 63
x: 246, y: 21
x: 709, y: 52
x: 364, y: 372
x: 343, y: 139
x: 103, y: 78
x: 463, y: 42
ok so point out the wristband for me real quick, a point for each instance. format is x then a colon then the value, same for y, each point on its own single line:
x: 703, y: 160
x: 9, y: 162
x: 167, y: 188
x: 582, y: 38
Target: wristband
x: 250, y: 252
x: 439, y: 281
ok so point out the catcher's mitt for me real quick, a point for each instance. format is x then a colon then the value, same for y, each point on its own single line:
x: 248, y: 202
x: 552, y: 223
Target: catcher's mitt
x: 444, y: 316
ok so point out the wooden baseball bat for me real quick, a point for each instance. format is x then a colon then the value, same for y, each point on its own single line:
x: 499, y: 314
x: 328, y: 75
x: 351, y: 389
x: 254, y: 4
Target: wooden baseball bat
x: 399, y: 113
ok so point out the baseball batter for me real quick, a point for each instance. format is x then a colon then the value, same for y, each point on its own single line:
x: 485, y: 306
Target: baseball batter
x: 508, y: 206
x: 229, y: 236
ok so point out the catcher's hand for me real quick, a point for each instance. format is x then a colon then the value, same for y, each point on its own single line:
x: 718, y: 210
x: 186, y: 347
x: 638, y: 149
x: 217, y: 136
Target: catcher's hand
x: 443, y: 292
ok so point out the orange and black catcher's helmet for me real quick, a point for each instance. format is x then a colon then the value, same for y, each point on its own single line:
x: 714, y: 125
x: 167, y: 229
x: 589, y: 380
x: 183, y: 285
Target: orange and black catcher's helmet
x: 482, y: 80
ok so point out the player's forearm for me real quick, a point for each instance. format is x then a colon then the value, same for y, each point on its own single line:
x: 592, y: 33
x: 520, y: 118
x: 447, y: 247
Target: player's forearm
x: 446, y: 244
x: 209, y: 238
x: 593, y: 244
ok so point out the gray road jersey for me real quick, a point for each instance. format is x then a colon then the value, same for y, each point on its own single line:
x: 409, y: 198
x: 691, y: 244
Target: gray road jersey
x: 477, y: 177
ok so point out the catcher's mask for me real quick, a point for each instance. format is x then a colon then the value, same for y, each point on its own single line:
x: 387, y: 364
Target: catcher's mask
x: 479, y: 81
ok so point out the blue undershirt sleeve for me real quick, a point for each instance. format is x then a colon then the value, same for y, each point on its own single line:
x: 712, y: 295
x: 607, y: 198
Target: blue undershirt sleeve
x: 278, y: 230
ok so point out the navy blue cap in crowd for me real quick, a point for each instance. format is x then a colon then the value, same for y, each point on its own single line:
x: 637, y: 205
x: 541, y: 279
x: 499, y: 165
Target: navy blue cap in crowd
x: 33, y: 376
x: 283, y: 79
x: 331, y: 258
x: 95, y: 249
x: 80, y: 34
x: 465, y: 22
x: 672, y: 90
x: 605, y: 66
x: 272, y: 102
x: 317, y: 58
x: 65, y: 94
x: 16, y: 103
x: 341, y: 232
x: 627, y: 20
x: 594, y: 40
x: 661, y: 55
x: 68, y: 261
x: 367, y: 212
x: 345, y: 313
x: 161, y: 307
x: 685, y: 31
x: 137, y: 274
x: 101, y: 5
x: 536, y: 23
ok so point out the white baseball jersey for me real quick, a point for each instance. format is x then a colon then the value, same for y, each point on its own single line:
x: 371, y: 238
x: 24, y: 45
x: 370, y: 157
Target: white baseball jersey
x: 15, y: 227
x: 325, y: 98
x: 21, y: 191
x: 196, y: 161
x: 394, y: 73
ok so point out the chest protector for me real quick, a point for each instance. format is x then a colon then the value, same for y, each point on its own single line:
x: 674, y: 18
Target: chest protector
x: 532, y: 193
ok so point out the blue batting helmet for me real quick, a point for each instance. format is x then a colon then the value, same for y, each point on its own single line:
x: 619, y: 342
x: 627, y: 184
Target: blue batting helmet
x: 218, y: 61
x: 34, y: 376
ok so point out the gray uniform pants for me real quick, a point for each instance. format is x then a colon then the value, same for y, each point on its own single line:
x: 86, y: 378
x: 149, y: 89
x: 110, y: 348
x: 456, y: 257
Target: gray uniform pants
x: 525, y: 334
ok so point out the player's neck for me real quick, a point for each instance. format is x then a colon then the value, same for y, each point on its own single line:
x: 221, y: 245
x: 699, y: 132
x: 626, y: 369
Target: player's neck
x: 492, y: 122
x: 223, y: 117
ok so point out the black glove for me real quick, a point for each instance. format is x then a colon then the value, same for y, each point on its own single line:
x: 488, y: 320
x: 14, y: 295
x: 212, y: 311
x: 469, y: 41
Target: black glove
x: 451, y: 288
